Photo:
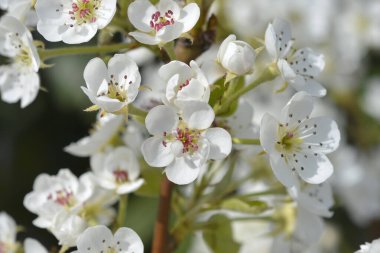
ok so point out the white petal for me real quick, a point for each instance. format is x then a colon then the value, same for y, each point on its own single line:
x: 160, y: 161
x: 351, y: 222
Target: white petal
x: 309, y: 227
x: 270, y: 41
x: 145, y: 38
x: 155, y: 153
x: 213, y: 71
x: 286, y: 71
x: 79, y: 34
x: 197, y: 115
x: 298, y: 108
x: 224, y: 45
x: 95, y: 239
x: 179, y: 172
x: 165, y: 5
x: 161, y: 119
x: 33, y: 246
x: 310, y: 86
x: 322, y: 134
x: 317, y: 199
x: 170, y: 32
x: 109, y: 104
x: 130, y: 242
x: 268, y: 133
x: 282, y: 171
x: 172, y: 88
x: 189, y: 16
x: 195, y: 90
x: 314, y: 169
x: 129, y: 187
x: 95, y: 73
x: 220, y: 143
x: 106, y: 12
x: 140, y: 13
x: 283, y: 33
x: 167, y: 71
x: 51, y: 32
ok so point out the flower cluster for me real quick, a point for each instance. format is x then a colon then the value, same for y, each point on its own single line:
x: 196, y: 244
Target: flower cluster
x: 179, y: 114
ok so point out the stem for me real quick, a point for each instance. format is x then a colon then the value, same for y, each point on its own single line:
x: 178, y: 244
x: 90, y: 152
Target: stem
x: 63, y: 249
x: 169, y: 49
x: 203, y: 225
x: 268, y: 74
x: 136, y: 111
x: 122, y: 212
x: 51, y: 53
x: 246, y: 141
x: 161, y: 227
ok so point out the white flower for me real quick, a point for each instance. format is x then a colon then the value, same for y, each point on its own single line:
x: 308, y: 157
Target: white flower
x: 20, y: 9
x: 100, y: 239
x: 317, y: 199
x: 66, y: 227
x: 33, y: 246
x: 73, y: 21
x: 183, y: 143
x: 298, y: 68
x: 298, y: 144
x: 236, y: 56
x: 105, y: 129
x: 372, y: 247
x: 163, y: 22
x: 8, y: 231
x: 114, y: 88
x: 118, y: 170
x: 184, y: 82
x: 18, y: 80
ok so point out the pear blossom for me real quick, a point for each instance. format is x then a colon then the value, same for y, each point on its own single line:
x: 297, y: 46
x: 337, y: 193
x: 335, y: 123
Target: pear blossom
x: 105, y: 129
x: 20, y: 9
x: 19, y: 79
x: 118, y: 170
x: 184, y: 142
x: 298, y: 144
x: 372, y: 247
x: 161, y: 23
x: 184, y: 82
x: 298, y: 68
x: 234, y: 58
x: 73, y: 21
x: 66, y: 205
x: 100, y: 239
x: 8, y: 231
x: 114, y: 88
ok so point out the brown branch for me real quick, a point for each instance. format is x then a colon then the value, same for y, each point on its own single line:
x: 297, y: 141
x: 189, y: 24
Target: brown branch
x: 160, y: 239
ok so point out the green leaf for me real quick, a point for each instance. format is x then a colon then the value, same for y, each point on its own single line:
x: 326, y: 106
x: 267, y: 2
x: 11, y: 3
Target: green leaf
x: 217, y: 91
x: 219, y: 236
x: 244, y: 206
x: 151, y: 187
x: 92, y: 108
x: 234, y: 86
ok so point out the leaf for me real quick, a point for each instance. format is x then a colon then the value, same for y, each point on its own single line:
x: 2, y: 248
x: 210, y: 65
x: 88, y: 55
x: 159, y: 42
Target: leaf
x: 218, y: 235
x: 248, y: 206
x: 151, y: 187
x: 236, y: 85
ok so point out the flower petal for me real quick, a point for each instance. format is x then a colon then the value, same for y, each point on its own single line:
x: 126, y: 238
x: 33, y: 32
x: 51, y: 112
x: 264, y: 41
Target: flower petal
x: 129, y: 241
x: 310, y: 86
x: 268, y: 133
x: 224, y: 45
x: 95, y: 239
x: 161, y: 119
x: 220, y: 143
x: 155, y: 153
x: 33, y: 246
x: 314, y: 169
x: 282, y: 171
x: 170, y: 32
x: 79, y: 34
x: 297, y: 109
x: 95, y: 73
x: 140, y: 13
x: 145, y: 38
x: 179, y: 172
x: 167, y: 71
x: 189, y: 16
x: 197, y: 114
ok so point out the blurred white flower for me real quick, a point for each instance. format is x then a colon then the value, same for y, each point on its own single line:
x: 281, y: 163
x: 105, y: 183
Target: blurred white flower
x: 370, y: 101
x: 183, y: 143
x: 114, y: 88
x: 8, y: 231
x: 297, y: 144
x: 100, y: 239
x: 163, y: 22
x: 33, y: 246
x: 372, y: 247
x: 298, y: 68
x: 20, y: 9
x: 184, y: 83
x: 105, y: 129
x: 73, y: 21
x: 117, y: 169
x: 19, y: 79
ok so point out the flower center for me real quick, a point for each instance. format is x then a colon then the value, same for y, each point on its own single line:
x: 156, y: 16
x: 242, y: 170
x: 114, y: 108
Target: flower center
x: 84, y: 11
x: 63, y: 197
x: 117, y: 90
x: 22, y: 55
x: 288, y: 141
x: 181, y: 86
x: 121, y: 176
x: 188, y: 137
x: 157, y: 22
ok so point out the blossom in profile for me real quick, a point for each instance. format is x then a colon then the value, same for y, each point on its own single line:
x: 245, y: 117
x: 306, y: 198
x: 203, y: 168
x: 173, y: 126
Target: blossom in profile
x: 161, y: 23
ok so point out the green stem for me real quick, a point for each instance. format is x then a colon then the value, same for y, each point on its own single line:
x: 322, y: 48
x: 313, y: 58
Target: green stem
x: 203, y: 225
x: 122, y: 212
x: 246, y: 141
x: 63, y: 249
x: 169, y: 49
x: 136, y: 111
x: 279, y: 190
x: 268, y: 74
x: 51, y: 53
